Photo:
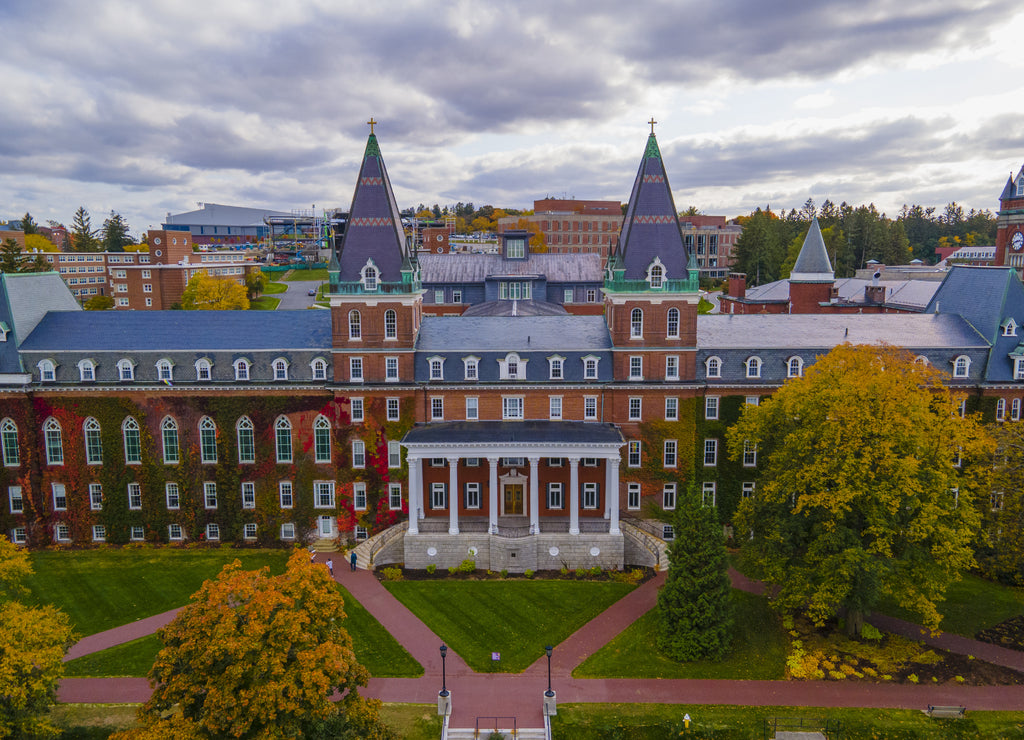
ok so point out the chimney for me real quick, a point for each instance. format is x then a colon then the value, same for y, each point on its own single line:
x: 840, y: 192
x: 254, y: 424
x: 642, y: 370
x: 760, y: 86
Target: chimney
x: 874, y: 293
x: 737, y: 285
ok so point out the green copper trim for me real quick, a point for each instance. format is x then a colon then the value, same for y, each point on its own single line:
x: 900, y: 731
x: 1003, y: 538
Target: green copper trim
x: 689, y: 285
x: 407, y: 286
x: 372, y: 150
x: 652, y: 151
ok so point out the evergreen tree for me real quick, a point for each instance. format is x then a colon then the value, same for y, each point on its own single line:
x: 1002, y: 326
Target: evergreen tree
x: 12, y: 259
x: 28, y: 224
x: 115, y: 233
x: 694, y: 605
x: 83, y: 236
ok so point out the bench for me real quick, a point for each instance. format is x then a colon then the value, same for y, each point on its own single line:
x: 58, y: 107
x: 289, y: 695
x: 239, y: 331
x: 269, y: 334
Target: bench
x: 950, y: 712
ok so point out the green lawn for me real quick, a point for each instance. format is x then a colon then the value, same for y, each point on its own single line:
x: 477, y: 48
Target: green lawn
x: 972, y: 604
x: 318, y: 274
x: 758, y: 652
x: 513, y: 618
x: 663, y: 721
x: 273, y: 288
x: 264, y: 303
x: 133, y: 658
x: 101, y: 589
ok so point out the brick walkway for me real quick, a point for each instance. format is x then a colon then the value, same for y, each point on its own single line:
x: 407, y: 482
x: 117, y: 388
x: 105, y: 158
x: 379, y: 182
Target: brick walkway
x: 520, y: 695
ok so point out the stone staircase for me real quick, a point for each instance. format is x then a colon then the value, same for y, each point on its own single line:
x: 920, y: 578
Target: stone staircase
x: 654, y: 545
x: 523, y: 733
x: 366, y: 549
x: 325, y: 544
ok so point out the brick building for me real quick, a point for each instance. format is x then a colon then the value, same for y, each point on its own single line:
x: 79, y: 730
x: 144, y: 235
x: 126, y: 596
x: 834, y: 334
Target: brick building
x: 574, y: 226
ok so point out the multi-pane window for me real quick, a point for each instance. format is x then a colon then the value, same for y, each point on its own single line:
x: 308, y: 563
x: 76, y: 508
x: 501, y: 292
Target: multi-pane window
x: 323, y: 494
x: 246, y: 440
x: 1001, y: 409
x: 670, y: 456
x: 470, y: 366
x: 671, y: 409
x: 633, y: 496
x: 753, y: 400
x: 672, y: 367
x: 288, y: 531
x: 1014, y: 409
x: 590, y: 495
x: 359, y: 496
x: 391, y: 369
x: 512, y: 407
x: 708, y: 493
x: 590, y: 408
x: 472, y: 495
x: 319, y: 368
x: 137, y: 533
x: 668, y: 496
x: 437, y: 408
x: 47, y: 370
x: 390, y: 324
x: 207, y: 440
x: 749, y: 454
x: 86, y: 370
x: 169, y: 432
x: 393, y: 411
x: 99, y: 533
x: 436, y: 368
x: 636, y: 367
x: 165, y: 370
x: 438, y: 495
x: 322, y: 439
x: 710, y: 452
x: 132, y: 441
x: 590, y: 368
x: 356, y: 409
x: 472, y: 408
x: 961, y: 366
x: 556, y: 499
x: 60, y: 496
x: 54, y: 442
x: 753, y: 367
x: 555, y: 368
x: 394, y: 454
x: 241, y: 370
x: 248, y: 495
x: 210, y: 494
x: 711, y: 407
x: 673, y: 323
x: 62, y: 533
x: 369, y: 277
x: 633, y: 454
x: 554, y: 407
x: 249, y: 531
x: 284, y: 494
x: 355, y: 369
x: 283, y: 439
x: 636, y: 324
x: 173, y: 495
x: 204, y: 369
x: 280, y: 369
x: 17, y: 501
x: 355, y: 325
x: 93, y: 442
x: 635, y: 408
x: 134, y: 496
x: 9, y: 442
x: 359, y: 532
x: 358, y: 454
x: 126, y: 370
x: 213, y: 531
x: 794, y: 367
x: 394, y: 496
x: 714, y: 367
x: 747, y: 490
x: 175, y: 532
x: 668, y: 532
x: 95, y: 496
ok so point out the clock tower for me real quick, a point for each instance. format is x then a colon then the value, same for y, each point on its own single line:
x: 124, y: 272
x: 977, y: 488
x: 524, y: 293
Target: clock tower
x: 1010, y: 224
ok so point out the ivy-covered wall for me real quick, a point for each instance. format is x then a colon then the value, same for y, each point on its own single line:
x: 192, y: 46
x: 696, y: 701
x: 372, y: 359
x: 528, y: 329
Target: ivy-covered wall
x: 35, y: 476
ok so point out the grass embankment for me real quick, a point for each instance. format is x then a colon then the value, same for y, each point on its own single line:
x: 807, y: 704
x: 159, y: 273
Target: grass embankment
x: 272, y: 288
x: 759, y: 649
x: 972, y: 604
x: 264, y: 303
x: 513, y: 618
x: 317, y: 274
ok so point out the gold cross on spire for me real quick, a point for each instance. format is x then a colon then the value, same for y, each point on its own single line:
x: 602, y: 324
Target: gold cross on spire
x: 374, y: 123
x: 652, y: 122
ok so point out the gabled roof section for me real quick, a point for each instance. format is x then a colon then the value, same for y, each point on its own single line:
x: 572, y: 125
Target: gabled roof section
x: 651, y: 226
x: 374, y: 229
x: 1010, y: 191
x: 812, y: 264
x: 26, y: 299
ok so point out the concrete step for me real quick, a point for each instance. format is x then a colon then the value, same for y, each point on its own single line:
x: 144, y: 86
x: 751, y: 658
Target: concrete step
x: 326, y: 544
x: 523, y: 733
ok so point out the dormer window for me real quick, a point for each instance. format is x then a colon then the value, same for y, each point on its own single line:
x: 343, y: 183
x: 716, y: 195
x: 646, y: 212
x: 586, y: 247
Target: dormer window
x: 165, y: 370
x: 319, y: 368
x: 280, y: 369
x: 1018, y: 368
x: 656, y: 274
x: 436, y: 365
x: 4, y: 331
x: 471, y: 368
x: 590, y: 367
x: 125, y: 369
x: 555, y: 367
x: 369, y: 276
x: 47, y: 371
x: 753, y: 367
x: 242, y: 369
x: 713, y: 367
x: 515, y: 249
x: 794, y: 367
x: 1010, y: 328
x: 1020, y: 186
x: 512, y: 367
x: 204, y: 369
x: 961, y: 366
x: 87, y: 370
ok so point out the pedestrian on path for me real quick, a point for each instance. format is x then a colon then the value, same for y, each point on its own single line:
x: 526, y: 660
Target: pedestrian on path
x: 330, y: 567
x: 352, y: 560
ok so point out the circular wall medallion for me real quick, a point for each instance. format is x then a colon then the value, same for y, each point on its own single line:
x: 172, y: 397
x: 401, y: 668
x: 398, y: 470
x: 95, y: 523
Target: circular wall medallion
x: 595, y: 551
x: 158, y: 253
x: 156, y: 240
x: 472, y: 551
x: 174, y: 240
x: 553, y: 552
x: 431, y: 551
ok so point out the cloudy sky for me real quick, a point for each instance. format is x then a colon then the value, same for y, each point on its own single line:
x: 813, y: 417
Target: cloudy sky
x: 150, y: 106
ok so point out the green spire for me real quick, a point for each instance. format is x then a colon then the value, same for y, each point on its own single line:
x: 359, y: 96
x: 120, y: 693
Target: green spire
x: 372, y: 150
x: 652, y: 151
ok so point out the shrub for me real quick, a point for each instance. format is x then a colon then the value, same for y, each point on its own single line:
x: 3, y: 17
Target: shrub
x: 391, y: 574
x: 452, y: 570
x: 565, y: 570
x: 870, y: 632
x: 504, y: 572
x: 913, y: 678
x: 580, y: 573
x: 431, y: 568
x: 528, y: 573
x: 595, y: 571
x: 467, y: 566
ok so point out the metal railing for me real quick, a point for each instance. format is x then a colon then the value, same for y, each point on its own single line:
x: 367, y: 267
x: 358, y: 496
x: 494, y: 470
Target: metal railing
x: 648, y: 541
x: 487, y: 726
x: 386, y: 537
x: 806, y: 724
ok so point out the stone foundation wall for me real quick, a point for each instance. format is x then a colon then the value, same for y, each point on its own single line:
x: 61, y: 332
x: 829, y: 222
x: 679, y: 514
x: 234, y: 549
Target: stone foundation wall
x: 392, y: 552
x: 636, y: 554
x: 536, y: 552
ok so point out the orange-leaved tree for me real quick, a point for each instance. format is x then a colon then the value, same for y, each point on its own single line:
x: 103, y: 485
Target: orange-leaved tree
x: 259, y: 656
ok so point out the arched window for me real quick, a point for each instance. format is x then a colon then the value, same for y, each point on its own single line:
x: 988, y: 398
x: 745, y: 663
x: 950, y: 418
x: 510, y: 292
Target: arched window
x: 636, y: 324
x: 753, y: 367
x: 87, y: 370
x: 169, y: 433
x: 283, y: 439
x: 132, y: 441
x: 961, y: 366
x: 657, y: 276
x: 47, y: 371
x: 322, y: 439
x: 355, y: 325
x: 280, y: 369
x: 9, y: 441
x: 673, y: 323
x: 369, y: 278
x: 54, y: 442
x: 319, y: 368
x: 794, y: 367
x: 242, y: 369
x: 246, y: 440
x: 93, y: 442
x: 165, y: 370
x: 204, y: 369
x: 125, y: 369
x: 390, y: 324
x: 208, y: 439
x: 714, y: 367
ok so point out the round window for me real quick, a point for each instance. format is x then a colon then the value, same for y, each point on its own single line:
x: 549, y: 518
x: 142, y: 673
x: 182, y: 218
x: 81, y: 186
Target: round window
x: 158, y: 253
x: 156, y: 240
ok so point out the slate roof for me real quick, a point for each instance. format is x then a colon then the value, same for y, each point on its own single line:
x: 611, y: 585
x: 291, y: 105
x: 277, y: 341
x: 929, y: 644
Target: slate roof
x: 521, y: 432
x: 909, y: 293
x: 1010, y: 189
x: 515, y: 308
x: 812, y: 264
x: 152, y: 331
x: 26, y: 299
x: 374, y: 228
x: 494, y: 333
x: 651, y: 226
x: 476, y: 268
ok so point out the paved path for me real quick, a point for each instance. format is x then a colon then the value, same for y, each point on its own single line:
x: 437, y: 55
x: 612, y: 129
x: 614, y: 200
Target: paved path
x: 120, y: 635
x: 297, y: 296
x: 520, y: 695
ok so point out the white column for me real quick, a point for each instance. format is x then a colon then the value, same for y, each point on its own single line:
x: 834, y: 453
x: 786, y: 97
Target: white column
x: 415, y: 494
x: 492, y: 496
x: 611, y: 493
x: 453, y: 495
x: 574, y: 495
x: 534, y: 496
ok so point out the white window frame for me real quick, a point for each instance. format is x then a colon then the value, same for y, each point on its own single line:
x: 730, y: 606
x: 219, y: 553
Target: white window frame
x: 165, y: 370
x: 59, y: 496
x: 204, y: 369
x: 512, y: 367
x: 15, y: 499
x: 709, y: 488
x: 355, y: 326
x: 248, y: 494
x: 748, y: 488
x: 323, y: 494
x: 9, y: 442
x: 47, y: 371
x: 636, y: 367
x: 633, y: 493
x: 435, y: 365
x: 245, y: 440
x: 437, y: 408
x: 633, y: 459
x: 670, y: 453
x: 1001, y: 409
x: 393, y: 409
x: 753, y: 366
x: 590, y: 367
x: 169, y: 441
x: 555, y: 408
x: 555, y: 495
x: 134, y: 489
x: 590, y: 495
x: 213, y: 531
x: 285, y: 494
x: 359, y: 499
x: 438, y: 496
x: 125, y: 370
x: 749, y: 454
x: 87, y: 370
x: 556, y: 367
x: 322, y: 439
x: 795, y: 367
x: 635, y: 408
x: 355, y: 369
x: 590, y: 411
x: 713, y: 367
x: 672, y: 323
x: 472, y: 408
x: 671, y: 367
x: 636, y: 323
x: 208, y: 441
x: 358, y: 453
x: 280, y: 369
x: 209, y: 495
x: 470, y: 368
x: 288, y: 531
x: 54, y: 441
x: 249, y: 530
x: 283, y: 448
x: 242, y: 367
x: 472, y: 498
x: 390, y: 324
x: 172, y: 496
x: 318, y: 368
x: 710, y: 452
x: 671, y: 408
x: 513, y: 408
x: 391, y: 370
x: 394, y: 454
x: 99, y: 533
x: 668, y: 496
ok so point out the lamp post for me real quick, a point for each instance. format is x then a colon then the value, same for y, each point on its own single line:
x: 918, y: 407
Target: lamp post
x: 549, y: 693
x: 444, y: 654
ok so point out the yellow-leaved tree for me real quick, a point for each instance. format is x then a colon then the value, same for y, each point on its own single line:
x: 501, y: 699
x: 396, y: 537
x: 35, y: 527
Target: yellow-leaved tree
x: 259, y: 656
x: 869, y: 477
x: 33, y: 641
x: 207, y: 293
